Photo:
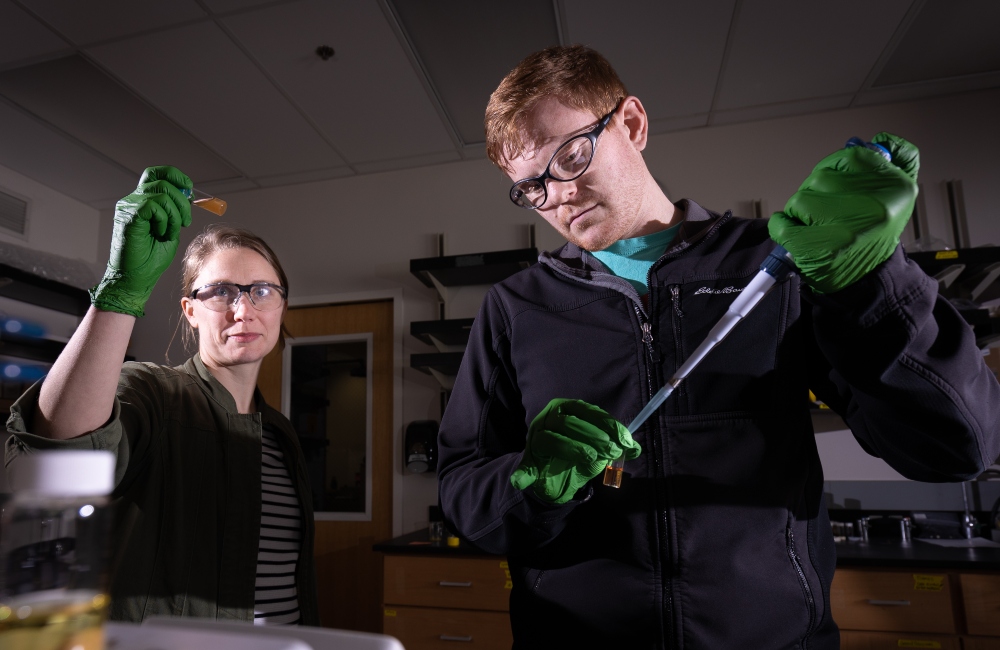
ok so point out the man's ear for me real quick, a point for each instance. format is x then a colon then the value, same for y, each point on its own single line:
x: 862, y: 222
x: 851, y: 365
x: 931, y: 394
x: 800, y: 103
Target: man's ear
x: 636, y: 121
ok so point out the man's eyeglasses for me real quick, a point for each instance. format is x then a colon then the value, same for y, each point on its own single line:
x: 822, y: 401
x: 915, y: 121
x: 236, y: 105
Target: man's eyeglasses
x: 569, y: 162
x: 220, y: 296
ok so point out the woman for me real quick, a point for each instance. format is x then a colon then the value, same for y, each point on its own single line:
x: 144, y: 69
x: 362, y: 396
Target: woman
x: 213, y: 516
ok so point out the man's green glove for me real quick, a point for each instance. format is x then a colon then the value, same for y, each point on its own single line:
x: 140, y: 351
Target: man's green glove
x: 569, y: 443
x: 144, y: 241
x: 846, y: 217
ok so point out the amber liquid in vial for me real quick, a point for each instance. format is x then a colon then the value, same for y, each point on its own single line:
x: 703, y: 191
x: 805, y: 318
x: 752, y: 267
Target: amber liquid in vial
x: 613, y: 476
x: 212, y: 204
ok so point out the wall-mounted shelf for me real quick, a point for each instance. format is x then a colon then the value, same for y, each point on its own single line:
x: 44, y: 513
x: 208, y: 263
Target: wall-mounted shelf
x: 450, y: 336
x: 970, y: 279
x: 443, y: 366
x: 35, y: 290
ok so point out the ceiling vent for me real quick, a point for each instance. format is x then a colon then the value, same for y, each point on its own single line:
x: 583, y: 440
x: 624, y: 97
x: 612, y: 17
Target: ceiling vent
x: 13, y: 213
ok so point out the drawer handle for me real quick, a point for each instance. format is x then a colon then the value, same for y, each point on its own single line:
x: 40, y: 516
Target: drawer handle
x: 449, y: 637
x: 455, y: 584
x: 890, y: 603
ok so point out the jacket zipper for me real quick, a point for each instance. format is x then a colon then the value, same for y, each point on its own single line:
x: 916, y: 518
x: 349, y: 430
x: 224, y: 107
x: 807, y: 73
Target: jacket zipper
x: 653, y: 357
x: 806, y: 590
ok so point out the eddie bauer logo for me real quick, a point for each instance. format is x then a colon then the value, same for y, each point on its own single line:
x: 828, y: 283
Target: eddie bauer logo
x: 717, y: 292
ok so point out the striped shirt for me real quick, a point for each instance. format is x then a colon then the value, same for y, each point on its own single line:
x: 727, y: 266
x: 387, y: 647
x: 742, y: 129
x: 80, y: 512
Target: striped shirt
x: 276, y: 599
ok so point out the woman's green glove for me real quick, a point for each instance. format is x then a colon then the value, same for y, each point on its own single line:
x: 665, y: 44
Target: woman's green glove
x: 144, y: 241
x: 846, y: 217
x: 569, y: 443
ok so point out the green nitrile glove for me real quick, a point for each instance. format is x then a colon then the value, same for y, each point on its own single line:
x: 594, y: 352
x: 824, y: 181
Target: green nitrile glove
x: 846, y: 217
x: 569, y: 443
x: 144, y: 241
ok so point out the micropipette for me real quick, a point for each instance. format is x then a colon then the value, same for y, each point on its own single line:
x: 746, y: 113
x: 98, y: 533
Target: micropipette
x: 206, y: 201
x: 776, y: 267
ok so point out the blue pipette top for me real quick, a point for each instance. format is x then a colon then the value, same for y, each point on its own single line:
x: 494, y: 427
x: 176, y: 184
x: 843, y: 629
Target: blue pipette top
x: 631, y: 258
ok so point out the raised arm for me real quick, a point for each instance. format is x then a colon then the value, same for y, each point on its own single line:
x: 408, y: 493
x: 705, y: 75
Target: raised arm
x: 77, y: 396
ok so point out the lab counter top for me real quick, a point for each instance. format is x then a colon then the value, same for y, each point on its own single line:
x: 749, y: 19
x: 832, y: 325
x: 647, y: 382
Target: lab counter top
x: 877, y: 553
x: 418, y: 543
x: 960, y: 554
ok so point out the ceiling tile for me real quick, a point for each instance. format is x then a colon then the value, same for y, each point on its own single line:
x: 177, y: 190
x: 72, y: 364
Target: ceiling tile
x: 669, y: 58
x: 789, y: 50
x: 906, y: 92
x: 34, y: 150
x: 946, y: 39
x: 22, y: 37
x: 467, y: 48
x: 91, y: 22
x: 108, y: 118
x: 212, y: 90
x: 366, y: 98
x: 781, y: 109
x: 224, y: 6
x: 406, y: 163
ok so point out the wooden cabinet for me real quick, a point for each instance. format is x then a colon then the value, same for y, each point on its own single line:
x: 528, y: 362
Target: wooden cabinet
x: 981, y: 595
x: 893, y: 601
x: 447, y: 602
x: 914, y: 608
x: 850, y: 640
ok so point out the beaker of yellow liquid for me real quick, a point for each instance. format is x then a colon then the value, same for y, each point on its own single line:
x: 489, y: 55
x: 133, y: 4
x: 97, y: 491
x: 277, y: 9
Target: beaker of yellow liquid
x: 54, y: 541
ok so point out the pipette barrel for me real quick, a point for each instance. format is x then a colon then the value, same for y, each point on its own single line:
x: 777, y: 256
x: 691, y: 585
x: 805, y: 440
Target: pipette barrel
x: 777, y: 266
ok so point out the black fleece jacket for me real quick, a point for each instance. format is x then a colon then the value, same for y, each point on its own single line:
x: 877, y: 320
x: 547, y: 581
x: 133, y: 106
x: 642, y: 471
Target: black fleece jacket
x: 718, y: 537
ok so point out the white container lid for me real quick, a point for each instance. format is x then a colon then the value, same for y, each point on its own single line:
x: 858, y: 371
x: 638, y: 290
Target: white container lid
x: 63, y: 473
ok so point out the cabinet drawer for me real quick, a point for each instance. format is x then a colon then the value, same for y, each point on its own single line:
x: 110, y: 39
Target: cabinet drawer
x: 981, y: 594
x: 419, y: 628
x: 891, y: 601
x: 980, y: 643
x: 889, y: 641
x: 464, y: 583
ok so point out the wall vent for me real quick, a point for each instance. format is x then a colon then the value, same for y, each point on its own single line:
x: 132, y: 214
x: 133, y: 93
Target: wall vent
x: 13, y: 213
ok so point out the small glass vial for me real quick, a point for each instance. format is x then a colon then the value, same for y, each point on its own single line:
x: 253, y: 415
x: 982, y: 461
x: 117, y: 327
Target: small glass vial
x: 54, y: 539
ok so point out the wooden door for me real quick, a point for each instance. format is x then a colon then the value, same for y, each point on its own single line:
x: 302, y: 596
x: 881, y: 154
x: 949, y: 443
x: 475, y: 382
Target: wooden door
x: 349, y: 573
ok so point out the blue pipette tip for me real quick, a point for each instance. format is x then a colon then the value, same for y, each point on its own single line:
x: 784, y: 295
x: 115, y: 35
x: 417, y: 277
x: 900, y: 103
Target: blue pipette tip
x: 879, y: 149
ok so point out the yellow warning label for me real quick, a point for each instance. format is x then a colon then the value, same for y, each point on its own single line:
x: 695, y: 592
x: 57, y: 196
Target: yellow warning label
x: 508, y: 585
x: 503, y: 564
x: 946, y: 255
x: 507, y: 574
x: 916, y: 643
x: 390, y: 612
x: 927, y: 583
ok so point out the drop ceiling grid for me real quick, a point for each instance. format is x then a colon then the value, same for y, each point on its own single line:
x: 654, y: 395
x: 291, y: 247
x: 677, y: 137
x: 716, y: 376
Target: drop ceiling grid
x: 202, y: 80
x: 787, y: 51
x: 951, y: 39
x: 667, y: 54
x: 91, y: 22
x: 468, y: 47
x: 106, y: 117
x: 22, y: 37
x: 36, y: 151
x: 366, y: 98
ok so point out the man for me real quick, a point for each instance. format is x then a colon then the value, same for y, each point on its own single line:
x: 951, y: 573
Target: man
x: 718, y: 536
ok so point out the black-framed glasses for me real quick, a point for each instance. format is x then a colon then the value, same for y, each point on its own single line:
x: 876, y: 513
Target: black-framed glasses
x: 220, y: 296
x: 569, y: 162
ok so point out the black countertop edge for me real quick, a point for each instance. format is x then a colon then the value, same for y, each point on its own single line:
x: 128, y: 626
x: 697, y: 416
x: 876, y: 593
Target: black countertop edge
x: 917, y: 554
x: 878, y: 554
x: 418, y: 543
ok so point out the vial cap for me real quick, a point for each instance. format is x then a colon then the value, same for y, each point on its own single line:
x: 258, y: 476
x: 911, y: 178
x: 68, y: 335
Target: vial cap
x: 63, y: 473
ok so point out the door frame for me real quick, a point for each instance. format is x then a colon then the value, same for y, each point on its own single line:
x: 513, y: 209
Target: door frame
x: 396, y: 295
